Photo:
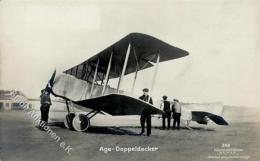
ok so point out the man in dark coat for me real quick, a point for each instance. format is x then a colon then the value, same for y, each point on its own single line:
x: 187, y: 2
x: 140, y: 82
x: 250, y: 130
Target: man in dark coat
x: 45, y: 107
x: 146, y: 116
x: 166, y: 107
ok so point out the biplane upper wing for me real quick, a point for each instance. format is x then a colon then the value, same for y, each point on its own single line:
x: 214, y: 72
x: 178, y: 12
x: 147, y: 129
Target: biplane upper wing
x: 143, y: 52
x: 117, y: 104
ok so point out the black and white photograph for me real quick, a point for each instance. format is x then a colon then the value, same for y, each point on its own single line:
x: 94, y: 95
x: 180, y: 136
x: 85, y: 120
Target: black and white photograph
x: 129, y: 80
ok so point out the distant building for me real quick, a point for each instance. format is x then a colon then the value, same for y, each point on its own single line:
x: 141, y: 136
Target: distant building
x: 7, y: 102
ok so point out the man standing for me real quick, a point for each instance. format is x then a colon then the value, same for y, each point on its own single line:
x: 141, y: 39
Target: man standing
x: 167, y: 112
x: 45, y: 106
x: 146, y: 116
x: 176, y: 113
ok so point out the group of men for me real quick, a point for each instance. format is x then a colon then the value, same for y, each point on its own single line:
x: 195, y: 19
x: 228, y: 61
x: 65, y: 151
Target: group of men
x: 171, y: 110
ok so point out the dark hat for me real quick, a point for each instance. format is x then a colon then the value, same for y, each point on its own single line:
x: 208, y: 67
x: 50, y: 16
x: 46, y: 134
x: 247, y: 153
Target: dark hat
x: 164, y: 97
x: 48, y: 90
x: 145, y: 90
x: 176, y: 100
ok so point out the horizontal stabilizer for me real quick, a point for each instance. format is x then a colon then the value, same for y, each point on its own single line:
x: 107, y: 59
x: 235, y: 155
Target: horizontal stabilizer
x: 218, y: 120
x: 201, y: 118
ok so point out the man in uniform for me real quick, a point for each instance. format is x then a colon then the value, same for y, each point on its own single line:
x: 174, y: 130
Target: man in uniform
x: 45, y: 106
x: 146, y: 116
x: 165, y: 106
x: 176, y: 113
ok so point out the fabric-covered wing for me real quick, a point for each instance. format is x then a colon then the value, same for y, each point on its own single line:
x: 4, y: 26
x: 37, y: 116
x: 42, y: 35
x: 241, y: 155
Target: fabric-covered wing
x: 143, y: 52
x: 116, y: 104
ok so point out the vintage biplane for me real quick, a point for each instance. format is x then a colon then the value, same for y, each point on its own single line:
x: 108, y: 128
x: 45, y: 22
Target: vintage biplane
x: 86, y: 85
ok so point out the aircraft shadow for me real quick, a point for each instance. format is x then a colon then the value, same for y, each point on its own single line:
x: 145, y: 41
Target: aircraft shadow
x: 184, y: 128
x: 102, y: 130
x: 121, y: 131
x: 202, y: 129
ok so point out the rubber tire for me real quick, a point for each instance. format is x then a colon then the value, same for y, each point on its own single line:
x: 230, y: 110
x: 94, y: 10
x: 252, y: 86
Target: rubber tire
x: 66, y: 123
x: 84, y: 121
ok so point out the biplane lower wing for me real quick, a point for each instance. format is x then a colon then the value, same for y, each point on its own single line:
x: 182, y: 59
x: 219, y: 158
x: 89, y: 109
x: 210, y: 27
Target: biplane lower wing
x: 201, y: 117
x: 118, y: 104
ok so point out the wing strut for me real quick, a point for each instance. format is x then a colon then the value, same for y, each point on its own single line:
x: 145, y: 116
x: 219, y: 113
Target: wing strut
x: 94, y: 79
x: 107, y: 74
x: 124, y: 68
x: 136, y: 71
x: 155, y: 74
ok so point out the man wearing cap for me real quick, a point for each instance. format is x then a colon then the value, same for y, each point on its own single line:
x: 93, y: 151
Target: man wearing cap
x: 45, y: 106
x: 176, y: 113
x: 165, y: 106
x: 146, y: 116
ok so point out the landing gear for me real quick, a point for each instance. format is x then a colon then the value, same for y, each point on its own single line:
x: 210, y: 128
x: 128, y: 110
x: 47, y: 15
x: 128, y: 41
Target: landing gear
x: 69, y: 117
x: 78, y: 122
x: 81, y: 122
x: 68, y: 121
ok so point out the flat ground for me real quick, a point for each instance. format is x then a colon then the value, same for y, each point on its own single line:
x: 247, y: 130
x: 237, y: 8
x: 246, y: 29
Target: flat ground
x: 21, y: 141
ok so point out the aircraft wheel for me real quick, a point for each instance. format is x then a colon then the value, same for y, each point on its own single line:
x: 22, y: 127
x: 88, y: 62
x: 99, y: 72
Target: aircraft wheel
x: 81, y: 122
x: 68, y: 121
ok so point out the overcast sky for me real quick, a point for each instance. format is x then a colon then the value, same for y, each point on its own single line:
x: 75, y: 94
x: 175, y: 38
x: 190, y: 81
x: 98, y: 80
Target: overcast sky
x: 221, y: 36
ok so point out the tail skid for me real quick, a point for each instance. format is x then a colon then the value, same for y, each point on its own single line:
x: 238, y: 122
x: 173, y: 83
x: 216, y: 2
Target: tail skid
x: 187, y: 124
